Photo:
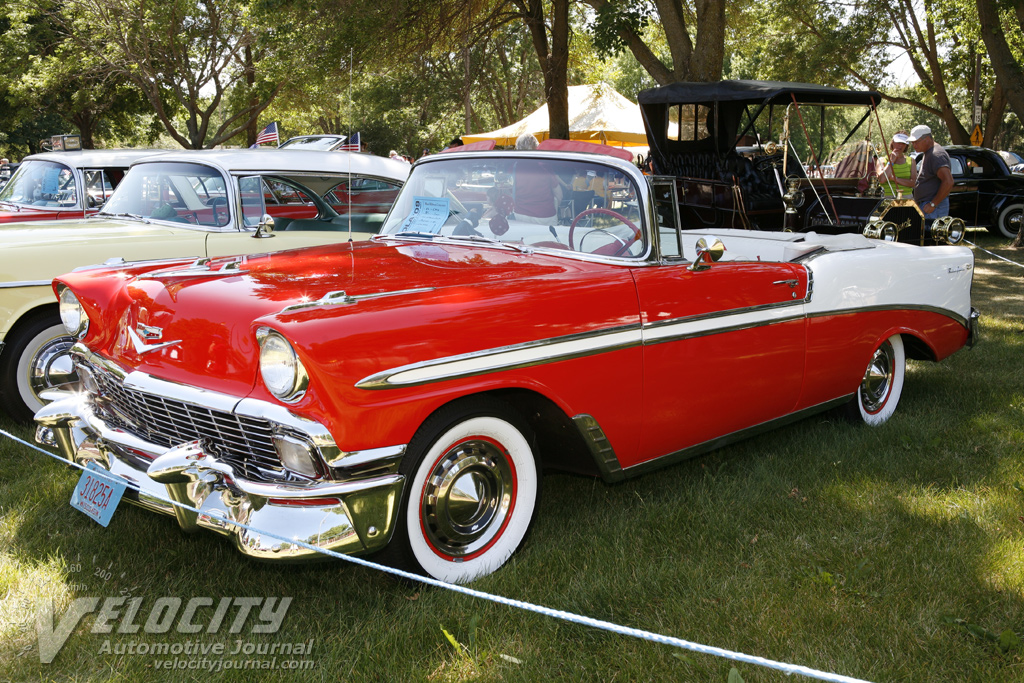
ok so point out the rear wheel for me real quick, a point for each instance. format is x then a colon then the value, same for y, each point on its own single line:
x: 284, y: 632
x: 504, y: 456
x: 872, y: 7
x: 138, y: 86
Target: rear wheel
x: 1009, y: 222
x: 879, y: 391
x: 472, y: 484
x: 34, y: 359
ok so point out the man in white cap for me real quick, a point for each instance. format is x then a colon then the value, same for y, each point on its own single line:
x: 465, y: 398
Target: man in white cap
x: 934, y: 178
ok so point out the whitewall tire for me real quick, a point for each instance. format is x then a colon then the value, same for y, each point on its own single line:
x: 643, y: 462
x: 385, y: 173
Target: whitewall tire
x: 1010, y: 219
x: 35, y: 359
x: 470, y: 494
x: 880, y: 389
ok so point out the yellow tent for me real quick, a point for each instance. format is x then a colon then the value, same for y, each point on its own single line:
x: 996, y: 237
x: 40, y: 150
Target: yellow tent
x: 596, y: 114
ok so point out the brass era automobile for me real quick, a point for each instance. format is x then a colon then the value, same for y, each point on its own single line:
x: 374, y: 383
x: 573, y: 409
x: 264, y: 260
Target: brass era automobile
x: 750, y: 154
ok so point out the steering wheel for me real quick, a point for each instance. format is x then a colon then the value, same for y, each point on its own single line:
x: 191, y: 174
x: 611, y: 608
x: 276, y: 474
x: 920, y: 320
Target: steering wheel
x: 607, y: 212
x: 214, y: 203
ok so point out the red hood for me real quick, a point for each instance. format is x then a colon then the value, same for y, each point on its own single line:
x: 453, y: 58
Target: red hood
x: 22, y: 214
x: 209, y: 311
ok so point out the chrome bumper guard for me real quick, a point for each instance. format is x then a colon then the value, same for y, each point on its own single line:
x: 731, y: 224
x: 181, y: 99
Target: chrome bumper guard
x: 973, y: 327
x: 352, y: 517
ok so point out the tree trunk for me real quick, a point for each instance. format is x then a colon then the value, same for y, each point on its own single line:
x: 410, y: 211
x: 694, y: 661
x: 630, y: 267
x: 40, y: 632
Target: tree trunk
x: 252, y: 131
x: 86, y: 124
x: 554, y: 60
x: 1008, y: 70
x: 702, y: 62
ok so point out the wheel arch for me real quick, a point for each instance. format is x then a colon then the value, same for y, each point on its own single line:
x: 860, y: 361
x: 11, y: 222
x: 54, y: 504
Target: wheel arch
x: 560, y: 447
x: 25, y: 317
x: 915, y: 346
x: 1000, y: 202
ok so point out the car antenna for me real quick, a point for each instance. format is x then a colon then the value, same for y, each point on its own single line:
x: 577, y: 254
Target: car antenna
x: 349, y: 140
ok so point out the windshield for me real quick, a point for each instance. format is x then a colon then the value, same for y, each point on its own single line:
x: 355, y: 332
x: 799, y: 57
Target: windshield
x: 581, y: 206
x: 322, y: 143
x: 43, y: 184
x: 176, y: 192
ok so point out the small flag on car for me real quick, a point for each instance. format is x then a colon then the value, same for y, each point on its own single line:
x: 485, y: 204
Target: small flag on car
x: 268, y: 134
x: 351, y: 145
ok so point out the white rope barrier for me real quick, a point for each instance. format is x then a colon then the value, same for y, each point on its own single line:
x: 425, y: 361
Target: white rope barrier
x: 1002, y: 258
x: 570, y: 617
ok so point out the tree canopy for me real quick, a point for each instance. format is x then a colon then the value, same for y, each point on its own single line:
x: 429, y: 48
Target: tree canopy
x: 410, y: 74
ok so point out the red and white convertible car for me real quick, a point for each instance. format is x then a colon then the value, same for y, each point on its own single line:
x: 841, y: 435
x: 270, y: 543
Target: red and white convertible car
x: 401, y: 397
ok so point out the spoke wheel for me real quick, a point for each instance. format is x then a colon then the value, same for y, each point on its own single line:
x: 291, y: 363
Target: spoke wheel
x: 880, y: 389
x: 472, y: 484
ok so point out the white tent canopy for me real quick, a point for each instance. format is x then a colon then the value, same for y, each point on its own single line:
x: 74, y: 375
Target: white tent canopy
x: 596, y: 114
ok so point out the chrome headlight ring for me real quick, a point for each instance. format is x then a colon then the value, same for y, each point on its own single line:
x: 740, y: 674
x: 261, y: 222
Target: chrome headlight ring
x: 947, y: 229
x: 72, y: 314
x: 282, y: 371
x: 881, y: 230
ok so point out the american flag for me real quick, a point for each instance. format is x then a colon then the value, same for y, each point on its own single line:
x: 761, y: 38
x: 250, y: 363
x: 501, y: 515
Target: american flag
x: 351, y: 145
x: 268, y: 134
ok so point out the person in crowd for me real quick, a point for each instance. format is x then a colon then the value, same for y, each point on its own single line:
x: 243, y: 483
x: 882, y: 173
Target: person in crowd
x: 934, y: 177
x: 593, y: 182
x: 396, y: 156
x: 537, y: 191
x: 899, y: 172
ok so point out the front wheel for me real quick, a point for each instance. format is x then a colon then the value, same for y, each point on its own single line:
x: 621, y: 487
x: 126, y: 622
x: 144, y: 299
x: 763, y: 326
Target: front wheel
x: 471, y: 491
x: 879, y: 391
x: 35, y: 359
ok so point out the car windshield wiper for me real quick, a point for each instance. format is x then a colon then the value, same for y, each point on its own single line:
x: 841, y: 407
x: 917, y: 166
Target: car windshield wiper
x: 133, y: 216
x: 428, y: 235
x: 490, y: 240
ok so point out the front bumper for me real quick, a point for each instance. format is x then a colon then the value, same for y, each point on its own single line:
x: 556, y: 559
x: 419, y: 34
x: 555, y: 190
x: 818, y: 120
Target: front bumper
x: 351, y: 517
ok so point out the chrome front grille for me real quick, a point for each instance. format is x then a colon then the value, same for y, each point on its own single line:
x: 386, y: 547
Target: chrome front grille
x: 245, y: 443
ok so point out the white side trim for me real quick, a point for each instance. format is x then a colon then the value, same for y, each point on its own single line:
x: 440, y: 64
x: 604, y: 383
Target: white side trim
x: 704, y: 325
x: 502, y: 358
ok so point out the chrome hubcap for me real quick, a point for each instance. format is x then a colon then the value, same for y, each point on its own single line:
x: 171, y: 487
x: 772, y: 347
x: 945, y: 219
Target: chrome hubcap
x: 1014, y: 220
x: 874, y: 389
x: 52, y: 365
x: 467, y: 498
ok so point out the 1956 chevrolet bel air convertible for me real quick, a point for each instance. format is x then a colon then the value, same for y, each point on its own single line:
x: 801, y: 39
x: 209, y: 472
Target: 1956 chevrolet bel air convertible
x: 400, y: 397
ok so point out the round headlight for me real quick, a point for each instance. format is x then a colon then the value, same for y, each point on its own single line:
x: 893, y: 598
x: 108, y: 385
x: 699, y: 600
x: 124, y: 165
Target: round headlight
x: 947, y: 229
x: 881, y: 230
x: 76, y: 322
x: 280, y: 367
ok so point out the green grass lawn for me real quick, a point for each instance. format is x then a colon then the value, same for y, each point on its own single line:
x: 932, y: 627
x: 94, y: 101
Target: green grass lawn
x: 888, y: 554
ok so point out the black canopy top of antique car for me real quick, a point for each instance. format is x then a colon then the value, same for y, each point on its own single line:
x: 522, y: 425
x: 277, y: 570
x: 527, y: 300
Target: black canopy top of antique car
x: 755, y: 92
x: 713, y: 117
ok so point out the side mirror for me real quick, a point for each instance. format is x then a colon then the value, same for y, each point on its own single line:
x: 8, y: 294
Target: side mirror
x: 707, y: 254
x: 265, y: 228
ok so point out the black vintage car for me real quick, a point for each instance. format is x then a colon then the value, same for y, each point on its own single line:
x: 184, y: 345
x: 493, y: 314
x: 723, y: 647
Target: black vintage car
x: 752, y: 154
x: 985, y: 192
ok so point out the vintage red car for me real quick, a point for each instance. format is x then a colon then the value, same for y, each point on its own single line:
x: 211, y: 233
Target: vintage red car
x: 401, y: 396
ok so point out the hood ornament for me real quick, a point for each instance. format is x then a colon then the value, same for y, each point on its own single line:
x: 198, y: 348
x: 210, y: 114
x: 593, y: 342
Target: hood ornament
x: 143, y: 333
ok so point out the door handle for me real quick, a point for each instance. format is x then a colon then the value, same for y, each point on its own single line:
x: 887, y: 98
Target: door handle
x: 791, y: 283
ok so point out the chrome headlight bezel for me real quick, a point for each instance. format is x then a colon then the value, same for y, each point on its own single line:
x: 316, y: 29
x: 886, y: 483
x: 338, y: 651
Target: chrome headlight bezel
x: 948, y: 230
x: 72, y: 313
x: 881, y: 230
x: 283, y: 374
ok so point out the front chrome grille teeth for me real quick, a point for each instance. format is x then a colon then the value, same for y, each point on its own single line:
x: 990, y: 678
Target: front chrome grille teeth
x: 244, y: 443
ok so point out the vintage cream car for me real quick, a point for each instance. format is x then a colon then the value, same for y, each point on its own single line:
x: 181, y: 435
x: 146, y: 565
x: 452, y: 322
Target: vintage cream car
x: 180, y: 204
